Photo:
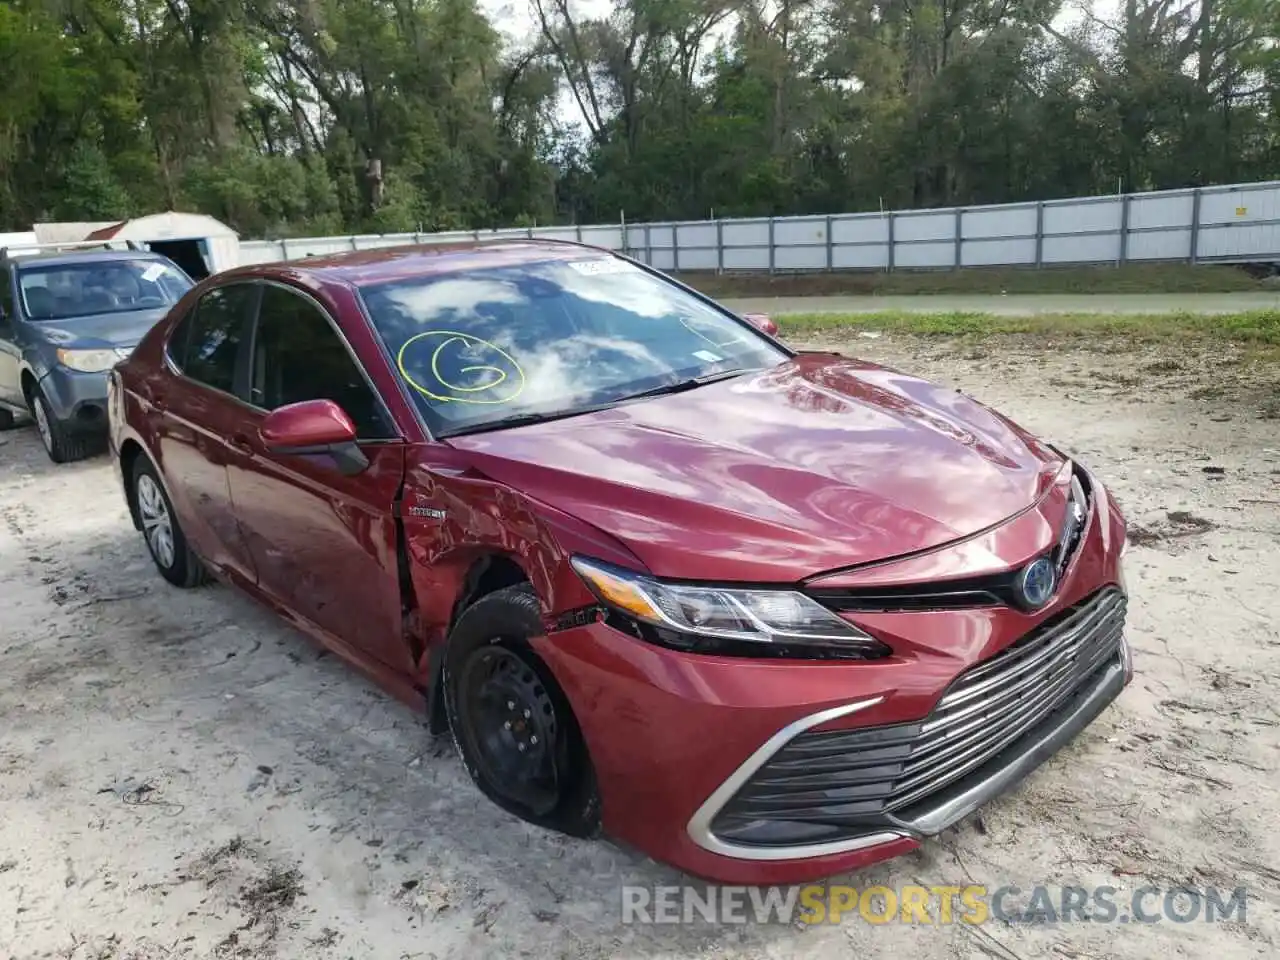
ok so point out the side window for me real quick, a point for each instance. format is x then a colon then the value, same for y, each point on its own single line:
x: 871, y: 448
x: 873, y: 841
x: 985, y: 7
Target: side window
x: 298, y: 356
x: 206, y: 341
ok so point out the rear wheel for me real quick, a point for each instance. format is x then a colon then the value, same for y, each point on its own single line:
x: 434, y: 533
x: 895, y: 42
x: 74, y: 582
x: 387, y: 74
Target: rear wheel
x: 511, y: 723
x: 168, y: 547
x: 60, y: 442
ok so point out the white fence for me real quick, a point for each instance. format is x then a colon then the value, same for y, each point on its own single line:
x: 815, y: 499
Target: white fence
x: 1228, y: 224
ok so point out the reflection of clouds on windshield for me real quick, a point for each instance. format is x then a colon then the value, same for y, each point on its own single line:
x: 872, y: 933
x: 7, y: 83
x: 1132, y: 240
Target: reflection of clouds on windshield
x: 464, y: 373
x: 545, y: 337
x: 579, y: 367
x: 402, y: 311
x: 634, y: 290
x: 631, y: 289
x: 462, y: 294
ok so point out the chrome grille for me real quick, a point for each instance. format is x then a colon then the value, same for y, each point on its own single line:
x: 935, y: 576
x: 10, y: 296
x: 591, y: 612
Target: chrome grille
x: 821, y: 784
x: 1000, y: 699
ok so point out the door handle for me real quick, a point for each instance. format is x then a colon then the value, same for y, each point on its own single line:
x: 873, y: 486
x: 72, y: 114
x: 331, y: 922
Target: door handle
x: 241, y: 442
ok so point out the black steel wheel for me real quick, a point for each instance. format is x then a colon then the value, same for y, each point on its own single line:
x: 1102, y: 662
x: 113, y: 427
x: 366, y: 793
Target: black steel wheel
x: 511, y: 723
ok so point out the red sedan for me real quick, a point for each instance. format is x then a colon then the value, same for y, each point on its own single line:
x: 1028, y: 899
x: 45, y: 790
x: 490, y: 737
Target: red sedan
x: 767, y: 615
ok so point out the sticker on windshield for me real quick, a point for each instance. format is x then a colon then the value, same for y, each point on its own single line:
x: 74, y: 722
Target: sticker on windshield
x: 690, y: 324
x: 708, y: 356
x: 153, y: 272
x: 597, y: 268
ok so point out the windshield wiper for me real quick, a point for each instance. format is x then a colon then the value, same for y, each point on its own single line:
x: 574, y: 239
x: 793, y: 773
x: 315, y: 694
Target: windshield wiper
x: 690, y: 383
x: 524, y: 419
x: 521, y: 420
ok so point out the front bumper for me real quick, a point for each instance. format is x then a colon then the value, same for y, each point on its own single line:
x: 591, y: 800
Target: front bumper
x: 79, y: 400
x: 823, y: 793
x: 751, y: 771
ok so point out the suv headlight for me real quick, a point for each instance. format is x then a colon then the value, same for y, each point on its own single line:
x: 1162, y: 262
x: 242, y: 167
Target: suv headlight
x: 91, y: 361
x: 713, y: 619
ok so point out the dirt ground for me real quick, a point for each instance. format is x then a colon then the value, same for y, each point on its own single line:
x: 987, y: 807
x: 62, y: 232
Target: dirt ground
x: 181, y: 776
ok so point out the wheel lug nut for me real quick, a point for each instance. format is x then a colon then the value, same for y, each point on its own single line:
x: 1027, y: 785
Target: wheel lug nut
x: 511, y: 704
x: 527, y: 714
x: 533, y: 739
x: 521, y: 746
x: 507, y: 725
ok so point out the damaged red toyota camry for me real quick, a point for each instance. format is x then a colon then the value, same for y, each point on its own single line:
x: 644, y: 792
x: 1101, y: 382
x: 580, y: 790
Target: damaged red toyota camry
x: 767, y: 615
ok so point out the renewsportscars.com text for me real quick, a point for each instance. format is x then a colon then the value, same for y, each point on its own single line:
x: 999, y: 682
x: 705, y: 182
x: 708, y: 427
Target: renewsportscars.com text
x: 941, y: 904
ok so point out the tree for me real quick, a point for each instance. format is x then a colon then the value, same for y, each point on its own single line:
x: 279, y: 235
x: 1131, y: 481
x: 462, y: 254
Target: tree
x: 287, y: 117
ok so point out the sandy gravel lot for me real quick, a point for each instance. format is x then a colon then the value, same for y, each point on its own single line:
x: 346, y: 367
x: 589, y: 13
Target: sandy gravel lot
x: 181, y: 776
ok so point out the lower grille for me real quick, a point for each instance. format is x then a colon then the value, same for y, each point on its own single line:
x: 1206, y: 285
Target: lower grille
x: 829, y: 786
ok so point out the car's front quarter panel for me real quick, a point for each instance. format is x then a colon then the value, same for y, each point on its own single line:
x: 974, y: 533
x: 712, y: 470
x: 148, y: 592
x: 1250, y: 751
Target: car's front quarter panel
x: 38, y: 355
x: 456, y: 518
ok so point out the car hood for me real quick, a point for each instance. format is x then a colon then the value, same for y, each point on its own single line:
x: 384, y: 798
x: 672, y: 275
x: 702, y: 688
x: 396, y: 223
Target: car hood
x: 817, y: 464
x: 103, y: 330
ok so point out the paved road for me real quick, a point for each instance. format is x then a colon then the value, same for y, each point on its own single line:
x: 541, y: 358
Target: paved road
x: 1017, y: 305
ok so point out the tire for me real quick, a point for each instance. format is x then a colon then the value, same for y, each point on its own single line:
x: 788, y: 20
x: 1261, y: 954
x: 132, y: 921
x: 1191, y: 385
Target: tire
x: 60, y: 442
x: 163, y: 536
x: 498, y: 696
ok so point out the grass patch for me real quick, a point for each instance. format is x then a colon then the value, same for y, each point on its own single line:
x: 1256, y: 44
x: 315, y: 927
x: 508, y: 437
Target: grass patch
x: 1254, y: 326
x: 1129, y: 278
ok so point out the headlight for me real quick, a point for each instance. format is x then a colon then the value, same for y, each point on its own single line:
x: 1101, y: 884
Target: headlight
x: 726, y: 620
x: 91, y: 361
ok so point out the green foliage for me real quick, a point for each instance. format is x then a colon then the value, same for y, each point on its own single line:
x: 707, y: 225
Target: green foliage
x: 275, y: 115
x: 1129, y: 278
x: 90, y: 189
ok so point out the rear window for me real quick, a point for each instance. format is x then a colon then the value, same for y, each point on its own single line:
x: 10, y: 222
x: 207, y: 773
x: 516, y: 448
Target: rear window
x: 68, y: 290
x: 551, y: 337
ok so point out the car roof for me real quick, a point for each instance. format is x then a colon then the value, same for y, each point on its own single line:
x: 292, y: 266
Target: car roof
x: 387, y: 264
x: 58, y: 258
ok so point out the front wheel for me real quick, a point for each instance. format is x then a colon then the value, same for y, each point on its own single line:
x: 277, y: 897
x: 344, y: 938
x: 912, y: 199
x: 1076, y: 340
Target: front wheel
x: 511, y: 723
x: 168, y: 547
x: 60, y: 442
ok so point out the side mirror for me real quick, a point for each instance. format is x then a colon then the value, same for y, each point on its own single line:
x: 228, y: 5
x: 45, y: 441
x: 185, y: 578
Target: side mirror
x: 314, y: 427
x: 762, y: 322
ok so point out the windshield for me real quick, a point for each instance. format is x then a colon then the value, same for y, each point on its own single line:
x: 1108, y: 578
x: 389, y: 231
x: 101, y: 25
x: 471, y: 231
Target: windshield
x: 67, y: 290
x: 550, y: 339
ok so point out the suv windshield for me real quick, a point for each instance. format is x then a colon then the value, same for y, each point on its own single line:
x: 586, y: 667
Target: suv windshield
x: 66, y: 290
x: 540, y: 340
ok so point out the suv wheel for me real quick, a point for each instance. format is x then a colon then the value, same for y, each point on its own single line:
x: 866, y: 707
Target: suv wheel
x: 175, y: 560
x: 510, y: 721
x: 60, y: 443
